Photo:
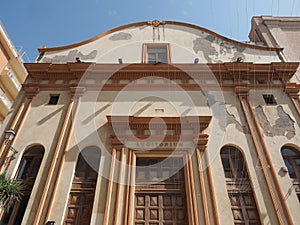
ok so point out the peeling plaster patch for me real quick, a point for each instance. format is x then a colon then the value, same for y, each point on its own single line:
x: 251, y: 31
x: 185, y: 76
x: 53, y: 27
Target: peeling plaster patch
x: 210, y: 99
x: 284, y: 124
x: 225, y: 48
x: 71, y: 57
x: 210, y: 38
x: 238, y: 55
x: 120, y: 36
x: 216, y: 107
x: 213, y: 47
x: 204, y: 45
x: 232, y: 120
x: 240, y: 48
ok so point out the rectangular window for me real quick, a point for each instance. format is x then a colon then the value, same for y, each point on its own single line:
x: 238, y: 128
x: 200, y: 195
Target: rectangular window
x: 53, y: 99
x: 261, y: 81
x: 269, y: 99
x: 156, y: 53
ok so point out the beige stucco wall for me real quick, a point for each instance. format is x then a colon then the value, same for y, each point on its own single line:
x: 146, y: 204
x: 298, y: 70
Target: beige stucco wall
x: 43, y: 122
x: 41, y: 126
x: 279, y: 32
x: 186, y: 44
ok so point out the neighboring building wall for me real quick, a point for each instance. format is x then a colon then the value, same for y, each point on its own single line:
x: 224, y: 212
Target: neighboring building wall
x: 12, y: 73
x: 281, y: 32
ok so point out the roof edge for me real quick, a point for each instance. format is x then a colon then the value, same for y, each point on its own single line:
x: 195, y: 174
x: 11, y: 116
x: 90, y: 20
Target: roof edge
x: 149, y: 23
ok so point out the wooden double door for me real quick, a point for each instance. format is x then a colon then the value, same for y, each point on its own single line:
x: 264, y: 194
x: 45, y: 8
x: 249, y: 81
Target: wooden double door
x: 160, y: 197
x: 81, y: 198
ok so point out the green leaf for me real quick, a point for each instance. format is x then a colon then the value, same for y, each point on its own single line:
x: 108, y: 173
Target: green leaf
x: 10, y: 191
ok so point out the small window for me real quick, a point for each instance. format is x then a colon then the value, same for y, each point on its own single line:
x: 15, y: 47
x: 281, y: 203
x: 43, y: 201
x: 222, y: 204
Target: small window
x: 53, y: 99
x: 261, y: 81
x: 159, y: 110
x: 156, y: 53
x: 1, y: 92
x: 269, y: 99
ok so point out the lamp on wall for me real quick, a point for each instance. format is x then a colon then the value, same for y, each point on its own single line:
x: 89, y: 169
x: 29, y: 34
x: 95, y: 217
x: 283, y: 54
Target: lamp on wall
x: 9, y: 136
x: 239, y: 59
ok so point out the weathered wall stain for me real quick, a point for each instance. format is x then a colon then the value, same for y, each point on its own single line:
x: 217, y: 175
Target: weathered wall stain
x: 218, y: 108
x: 120, y: 36
x: 71, y: 57
x: 232, y: 120
x: 238, y: 55
x: 284, y: 124
x: 204, y: 44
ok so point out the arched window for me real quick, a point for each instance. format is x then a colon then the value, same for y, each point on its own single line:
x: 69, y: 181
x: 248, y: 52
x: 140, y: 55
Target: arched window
x: 27, y: 173
x: 81, y: 198
x: 233, y: 163
x: 291, y: 159
x: 243, y: 205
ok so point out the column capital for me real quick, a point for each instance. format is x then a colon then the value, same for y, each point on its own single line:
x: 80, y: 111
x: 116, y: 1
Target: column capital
x: 31, y: 91
x: 292, y: 89
x: 76, y: 91
x: 242, y: 91
x: 201, y: 141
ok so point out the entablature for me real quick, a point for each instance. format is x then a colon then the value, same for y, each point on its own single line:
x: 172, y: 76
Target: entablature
x: 144, y: 76
x: 162, y: 132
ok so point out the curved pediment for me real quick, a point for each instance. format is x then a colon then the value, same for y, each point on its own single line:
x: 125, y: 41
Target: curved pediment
x: 187, y: 42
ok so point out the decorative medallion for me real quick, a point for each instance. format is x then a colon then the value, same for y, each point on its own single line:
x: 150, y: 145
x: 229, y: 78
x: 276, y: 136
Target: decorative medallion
x: 156, y: 23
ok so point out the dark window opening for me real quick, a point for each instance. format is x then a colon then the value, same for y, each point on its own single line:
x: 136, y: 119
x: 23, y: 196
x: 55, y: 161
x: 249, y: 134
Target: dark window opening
x: 269, y: 99
x: 53, y: 100
x: 81, y: 197
x: 27, y: 173
x: 261, y: 81
x: 291, y: 158
x: 239, y: 189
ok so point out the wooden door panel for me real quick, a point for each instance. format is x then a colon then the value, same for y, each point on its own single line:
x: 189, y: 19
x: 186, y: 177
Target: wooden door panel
x: 80, y: 208
x: 160, y: 209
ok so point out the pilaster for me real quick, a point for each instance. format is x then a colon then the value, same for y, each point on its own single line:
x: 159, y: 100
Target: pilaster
x: 279, y: 204
x: 50, y: 187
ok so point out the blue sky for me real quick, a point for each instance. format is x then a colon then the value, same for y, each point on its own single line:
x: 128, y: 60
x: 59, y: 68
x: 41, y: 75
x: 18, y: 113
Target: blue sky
x: 33, y: 23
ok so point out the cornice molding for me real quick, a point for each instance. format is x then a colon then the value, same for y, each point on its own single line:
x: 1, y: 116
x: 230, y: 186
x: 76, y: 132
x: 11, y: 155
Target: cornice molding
x: 31, y: 91
x: 138, y: 68
x: 172, y: 122
x: 195, y: 123
x: 223, y: 71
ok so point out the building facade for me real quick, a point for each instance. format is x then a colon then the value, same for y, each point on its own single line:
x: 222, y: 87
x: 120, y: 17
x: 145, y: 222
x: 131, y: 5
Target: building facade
x: 12, y: 73
x: 157, y: 122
